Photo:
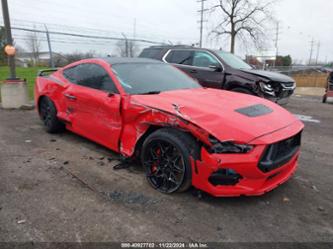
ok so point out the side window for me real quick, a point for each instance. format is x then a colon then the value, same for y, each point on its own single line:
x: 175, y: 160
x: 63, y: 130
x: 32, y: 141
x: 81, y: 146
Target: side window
x: 151, y: 53
x: 71, y: 74
x: 91, y: 75
x: 183, y: 57
x: 203, y: 59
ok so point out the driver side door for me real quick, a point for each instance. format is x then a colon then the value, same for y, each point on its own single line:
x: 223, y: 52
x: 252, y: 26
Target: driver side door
x: 93, y: 104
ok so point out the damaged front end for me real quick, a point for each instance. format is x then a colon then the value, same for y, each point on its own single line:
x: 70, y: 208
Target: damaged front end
x: 221, y: 167
x: 228, y: 147
x: 235, y: 169
x: 278, y: 92
x: 139, y: 120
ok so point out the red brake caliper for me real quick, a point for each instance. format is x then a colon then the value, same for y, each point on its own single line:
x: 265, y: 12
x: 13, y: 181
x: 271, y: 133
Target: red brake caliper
x: 154, y: 166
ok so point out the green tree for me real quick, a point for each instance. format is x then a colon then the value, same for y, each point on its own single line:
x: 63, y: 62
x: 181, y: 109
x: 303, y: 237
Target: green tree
x: 287, y: 61
x: 284, y: 61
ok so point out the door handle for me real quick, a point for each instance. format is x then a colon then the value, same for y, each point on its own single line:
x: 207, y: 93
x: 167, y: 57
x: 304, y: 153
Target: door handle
x: 69, y: 96
x: 193, y: 71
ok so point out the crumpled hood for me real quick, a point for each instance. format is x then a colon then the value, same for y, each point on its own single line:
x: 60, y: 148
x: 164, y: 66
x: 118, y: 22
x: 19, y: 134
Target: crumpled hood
x: 278, y: 77
x: 215, y: 111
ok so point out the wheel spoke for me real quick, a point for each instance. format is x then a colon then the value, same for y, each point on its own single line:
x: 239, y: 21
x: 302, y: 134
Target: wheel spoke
x: 177, y: 164
x: 165, y: 183
x: 172, y: 179
x: 177, y: 169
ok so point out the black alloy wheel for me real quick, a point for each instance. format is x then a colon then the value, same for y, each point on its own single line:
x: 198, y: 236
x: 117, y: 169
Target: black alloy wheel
x: 48, y: 114
x: 166, y: 158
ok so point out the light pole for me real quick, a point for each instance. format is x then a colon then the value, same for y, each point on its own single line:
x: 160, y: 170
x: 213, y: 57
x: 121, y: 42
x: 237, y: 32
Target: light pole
x: 11, y: 58
x: 126, y: 44
x: 51, y: 63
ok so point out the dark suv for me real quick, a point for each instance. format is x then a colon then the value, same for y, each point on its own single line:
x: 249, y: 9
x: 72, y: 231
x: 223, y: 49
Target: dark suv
x: 218, y: 69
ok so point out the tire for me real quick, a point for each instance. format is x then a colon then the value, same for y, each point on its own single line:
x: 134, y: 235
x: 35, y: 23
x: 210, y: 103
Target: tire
x: 165, y: 156
x: 242, y: 90
x: 324, y: 99
x: 48, y: 114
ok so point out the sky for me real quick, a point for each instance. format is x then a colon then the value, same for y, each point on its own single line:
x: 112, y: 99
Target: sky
x: 174, y: 21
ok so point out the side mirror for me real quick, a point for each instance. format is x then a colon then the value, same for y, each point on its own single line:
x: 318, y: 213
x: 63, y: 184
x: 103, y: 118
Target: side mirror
x: 216, y: 67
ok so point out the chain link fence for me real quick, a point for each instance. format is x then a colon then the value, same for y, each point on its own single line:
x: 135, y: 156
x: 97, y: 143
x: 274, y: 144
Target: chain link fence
x: 306, y: 76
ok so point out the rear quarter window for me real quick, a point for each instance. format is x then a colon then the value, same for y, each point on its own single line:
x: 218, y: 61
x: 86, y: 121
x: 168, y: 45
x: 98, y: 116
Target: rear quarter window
x: 71, y: 74
x: 183, y: 57
x: 153, y: 53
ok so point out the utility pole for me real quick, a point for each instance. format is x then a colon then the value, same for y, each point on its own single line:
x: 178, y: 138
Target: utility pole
x: 202, y: 11
x: 126, y: 44
x: 6, y: 20
x: 318, y: 50
x: 311, y: 50
x: 277, y: 42
x: 51, y: 63
x: 132, y: 43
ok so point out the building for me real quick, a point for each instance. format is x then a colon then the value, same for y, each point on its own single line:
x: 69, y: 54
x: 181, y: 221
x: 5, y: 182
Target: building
x: 26, y: 59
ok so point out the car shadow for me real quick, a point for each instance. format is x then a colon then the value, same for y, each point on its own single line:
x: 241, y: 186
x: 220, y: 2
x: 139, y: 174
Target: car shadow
x: 192, y: 195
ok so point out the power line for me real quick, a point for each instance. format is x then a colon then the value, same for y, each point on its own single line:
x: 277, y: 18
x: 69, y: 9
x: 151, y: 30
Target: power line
x: 56, y: 38
x: 114, y: 32
x: 87, y: 36
x: 64, y: 41
x: 94, y: 31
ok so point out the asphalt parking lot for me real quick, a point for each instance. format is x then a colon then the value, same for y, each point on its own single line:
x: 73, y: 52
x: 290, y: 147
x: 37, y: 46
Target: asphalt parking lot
x: 64, y: 188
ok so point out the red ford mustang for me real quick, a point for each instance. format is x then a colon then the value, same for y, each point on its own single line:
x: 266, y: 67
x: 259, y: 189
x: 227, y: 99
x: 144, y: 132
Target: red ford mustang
x: 223, y: 143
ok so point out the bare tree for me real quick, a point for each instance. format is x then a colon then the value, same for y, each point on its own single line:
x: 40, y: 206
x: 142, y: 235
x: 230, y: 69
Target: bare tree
x: 34, y: 46
x: 76, y: 56
x: 243, y: 19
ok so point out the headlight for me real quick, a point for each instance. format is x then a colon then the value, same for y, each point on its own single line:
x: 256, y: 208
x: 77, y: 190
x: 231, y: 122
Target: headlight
x: 228, y: 147
x: 266, y: 87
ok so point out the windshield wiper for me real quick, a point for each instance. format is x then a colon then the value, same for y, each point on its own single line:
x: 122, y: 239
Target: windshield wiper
x: 150, y: 93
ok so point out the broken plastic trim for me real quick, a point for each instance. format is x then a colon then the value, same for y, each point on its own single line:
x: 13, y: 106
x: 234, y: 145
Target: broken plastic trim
x: 228, y: 147
x: 225, y: 177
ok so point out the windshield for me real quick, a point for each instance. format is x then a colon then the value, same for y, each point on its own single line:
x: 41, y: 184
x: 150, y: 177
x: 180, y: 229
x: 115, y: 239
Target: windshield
x: 233, y: 61
x: 145, y: 78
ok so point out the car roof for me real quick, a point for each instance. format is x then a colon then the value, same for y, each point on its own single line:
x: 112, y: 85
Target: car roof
x: 182, y: 47
x: 126, y: 60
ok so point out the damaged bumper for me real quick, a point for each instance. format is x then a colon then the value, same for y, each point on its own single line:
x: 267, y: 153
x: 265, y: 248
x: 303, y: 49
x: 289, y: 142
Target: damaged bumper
x: 277, y: 92
x: 227, y: 175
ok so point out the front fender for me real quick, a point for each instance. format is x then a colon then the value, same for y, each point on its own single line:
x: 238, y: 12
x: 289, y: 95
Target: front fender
x: 137, y: 119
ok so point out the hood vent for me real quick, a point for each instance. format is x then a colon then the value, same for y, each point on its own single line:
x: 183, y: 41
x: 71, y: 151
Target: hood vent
x: 255, y: 110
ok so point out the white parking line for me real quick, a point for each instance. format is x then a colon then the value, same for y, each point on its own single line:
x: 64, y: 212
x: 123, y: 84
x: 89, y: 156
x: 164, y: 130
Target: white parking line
x: 305, y: 118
